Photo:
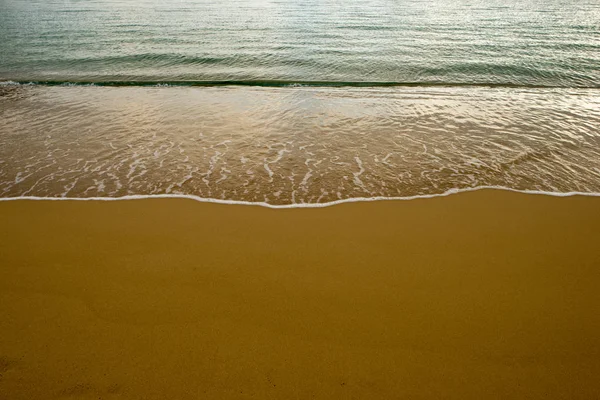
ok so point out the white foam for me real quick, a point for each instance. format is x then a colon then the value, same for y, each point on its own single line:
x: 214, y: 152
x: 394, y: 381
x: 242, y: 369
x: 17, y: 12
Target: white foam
x: 307, y: 176
x: 303, y: 205
x: 19, y: 178
x: 224, y: 176
x: 266, y: 165
x: 69, y: 187
x: 357, y: 175
x: 385, y: 159
x: 304, y: 182
x: 13, y: 83
x: 280, y: 154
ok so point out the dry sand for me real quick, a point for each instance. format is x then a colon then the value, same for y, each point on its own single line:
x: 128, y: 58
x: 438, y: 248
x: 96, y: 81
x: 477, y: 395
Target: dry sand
x: 481, y: 295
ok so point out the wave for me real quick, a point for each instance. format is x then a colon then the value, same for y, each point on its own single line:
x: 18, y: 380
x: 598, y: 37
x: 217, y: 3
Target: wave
x: 286, y: 83
x: 302, y: 205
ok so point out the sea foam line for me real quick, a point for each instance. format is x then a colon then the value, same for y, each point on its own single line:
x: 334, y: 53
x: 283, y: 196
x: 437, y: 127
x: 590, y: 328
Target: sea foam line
x: 289, y: 84
x: 301, y: 205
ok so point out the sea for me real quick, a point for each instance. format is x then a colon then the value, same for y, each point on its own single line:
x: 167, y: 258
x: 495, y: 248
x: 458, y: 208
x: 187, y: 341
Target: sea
x: 298, y: 102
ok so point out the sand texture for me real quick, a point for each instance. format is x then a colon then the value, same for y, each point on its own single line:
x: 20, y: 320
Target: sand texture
x: 481, y: 295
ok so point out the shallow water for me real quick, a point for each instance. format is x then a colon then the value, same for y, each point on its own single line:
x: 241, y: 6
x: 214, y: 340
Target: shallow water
x: 295, y: 145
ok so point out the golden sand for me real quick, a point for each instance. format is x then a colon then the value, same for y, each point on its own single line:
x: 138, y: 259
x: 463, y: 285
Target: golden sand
x: 481, y: 295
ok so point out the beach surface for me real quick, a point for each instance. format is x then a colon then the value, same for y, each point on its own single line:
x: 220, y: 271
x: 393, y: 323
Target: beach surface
x: 481, y: 295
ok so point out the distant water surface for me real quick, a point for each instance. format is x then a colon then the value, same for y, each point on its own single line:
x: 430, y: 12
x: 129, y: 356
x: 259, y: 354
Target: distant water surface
x: 552, y: 43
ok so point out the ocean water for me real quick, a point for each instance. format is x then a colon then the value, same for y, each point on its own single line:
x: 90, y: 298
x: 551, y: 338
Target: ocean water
x: 290, y: 102
x: 552, y: 43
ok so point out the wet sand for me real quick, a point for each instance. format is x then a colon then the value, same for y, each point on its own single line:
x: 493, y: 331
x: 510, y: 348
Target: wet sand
x: 481, y: 295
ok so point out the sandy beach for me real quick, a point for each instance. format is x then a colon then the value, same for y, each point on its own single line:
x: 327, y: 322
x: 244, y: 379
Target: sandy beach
x: 480, y: 295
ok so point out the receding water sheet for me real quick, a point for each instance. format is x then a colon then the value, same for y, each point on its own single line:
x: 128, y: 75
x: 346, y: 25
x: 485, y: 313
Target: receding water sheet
x: 294, y: 145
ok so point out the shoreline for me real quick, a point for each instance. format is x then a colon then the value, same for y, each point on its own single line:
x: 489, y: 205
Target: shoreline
x: 484, y: 294
x: 303, y: 205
